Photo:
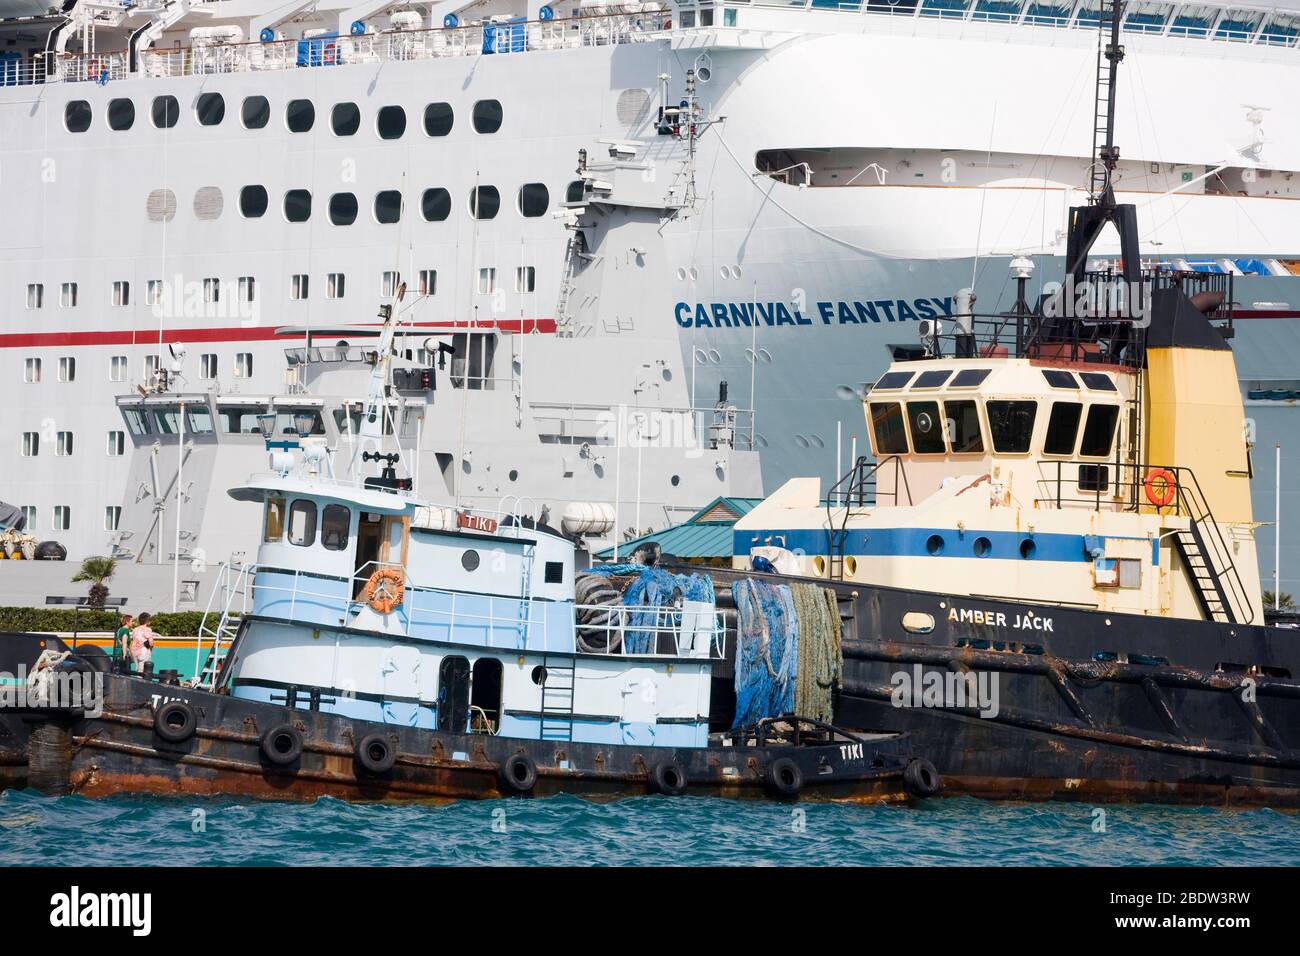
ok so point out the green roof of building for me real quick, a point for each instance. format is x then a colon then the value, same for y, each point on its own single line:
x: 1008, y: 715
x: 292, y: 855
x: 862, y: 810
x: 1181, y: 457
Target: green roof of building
x: 706, y: 534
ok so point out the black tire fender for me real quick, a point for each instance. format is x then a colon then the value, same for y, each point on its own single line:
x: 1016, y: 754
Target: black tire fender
x: 784, y: 778
x: 376, y: 754
x: 175, y: 721
x: 668, y: 777
x: 282, y: 745
x: 518, y: 774
x: 921, y: 778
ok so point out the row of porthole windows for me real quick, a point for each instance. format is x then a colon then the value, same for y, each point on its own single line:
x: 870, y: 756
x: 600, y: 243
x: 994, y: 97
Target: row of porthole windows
x: 484, y: 203
x: 982, y: 547
x: 299, y: 115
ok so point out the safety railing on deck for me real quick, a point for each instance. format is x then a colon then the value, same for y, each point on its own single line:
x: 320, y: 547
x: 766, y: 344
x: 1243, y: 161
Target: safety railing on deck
x: 495, y: 621
x: 324, y: 51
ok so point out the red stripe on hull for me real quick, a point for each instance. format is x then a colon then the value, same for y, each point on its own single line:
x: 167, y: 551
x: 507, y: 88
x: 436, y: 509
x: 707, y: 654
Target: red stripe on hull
x: 14, y: 340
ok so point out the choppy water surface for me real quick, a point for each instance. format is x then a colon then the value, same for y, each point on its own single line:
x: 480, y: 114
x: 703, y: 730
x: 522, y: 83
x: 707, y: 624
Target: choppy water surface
x: 642, y: 830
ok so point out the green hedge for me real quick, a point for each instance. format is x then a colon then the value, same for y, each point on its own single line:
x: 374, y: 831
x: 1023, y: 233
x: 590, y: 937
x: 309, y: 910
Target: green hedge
x: 180, y: 624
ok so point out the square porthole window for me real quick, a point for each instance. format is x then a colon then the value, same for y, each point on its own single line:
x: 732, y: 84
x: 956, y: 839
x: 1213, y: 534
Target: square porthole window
x: 117, y: 368
x: 210, y: 109
x: 428, y: 281
x: 112, y: 517
x: 153, y: 290
x: 208, y: 365
x: 389, y: 283
x: 298, y: 286
x: 335, y: 285
x: 35, y: 295
x: 32, y: 371
x: 68, y: 295
x: 116, y: 444
x: 62, y: 518
x: 67, y: 369
x: 247, y: 289
x: 525, y: 279
x: 256, y: 112
x: 244, y: 365
x: 121, y: 293
x: 487, y: 280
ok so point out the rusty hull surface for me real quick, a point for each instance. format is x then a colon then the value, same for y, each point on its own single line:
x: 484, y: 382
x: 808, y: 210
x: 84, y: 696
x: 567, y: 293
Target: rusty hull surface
x: 119, y: 752
x: 1094, y: 706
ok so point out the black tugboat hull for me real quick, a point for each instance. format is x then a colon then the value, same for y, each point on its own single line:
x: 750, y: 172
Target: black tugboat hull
x: 1091, y: 705
x: 122, y: 752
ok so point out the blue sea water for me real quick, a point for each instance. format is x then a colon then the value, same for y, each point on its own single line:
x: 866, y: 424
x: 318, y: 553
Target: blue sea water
x: 640, y: 831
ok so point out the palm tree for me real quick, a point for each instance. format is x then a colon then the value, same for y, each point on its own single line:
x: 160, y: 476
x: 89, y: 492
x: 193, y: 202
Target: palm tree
x: 97, y: 571
x: 1284, y: 603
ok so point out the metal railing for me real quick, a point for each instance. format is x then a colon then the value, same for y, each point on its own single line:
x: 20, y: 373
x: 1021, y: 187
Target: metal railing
x: 505, y: 623
x: 644, y: 426
x: 324, y: 51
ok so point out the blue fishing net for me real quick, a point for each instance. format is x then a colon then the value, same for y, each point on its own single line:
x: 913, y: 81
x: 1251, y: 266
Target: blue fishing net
x: 653, y: 588
x: 767, y: 651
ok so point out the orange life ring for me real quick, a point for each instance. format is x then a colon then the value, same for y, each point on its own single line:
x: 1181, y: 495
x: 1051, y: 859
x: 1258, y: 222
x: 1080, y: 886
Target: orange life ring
x: 384, y: 590
x: 1169, y: 487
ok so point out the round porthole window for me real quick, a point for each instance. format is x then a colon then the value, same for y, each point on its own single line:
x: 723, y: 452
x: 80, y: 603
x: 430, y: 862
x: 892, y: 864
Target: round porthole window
x: 1027, y: 548
x: 982, y: 547
x: 514, y: 475
x: 676, y: 480
x: 539, y: 675
x: 469, y: 560
x: 934, y: 544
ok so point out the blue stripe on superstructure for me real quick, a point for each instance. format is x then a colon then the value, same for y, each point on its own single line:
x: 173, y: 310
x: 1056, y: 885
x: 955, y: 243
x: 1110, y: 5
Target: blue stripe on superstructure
x: 914, y: 543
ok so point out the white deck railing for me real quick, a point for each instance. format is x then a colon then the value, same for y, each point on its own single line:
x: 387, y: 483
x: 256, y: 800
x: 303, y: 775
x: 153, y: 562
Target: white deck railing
x: 666, y: 632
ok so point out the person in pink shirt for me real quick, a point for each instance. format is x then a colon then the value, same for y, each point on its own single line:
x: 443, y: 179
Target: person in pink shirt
x: 142, y: 643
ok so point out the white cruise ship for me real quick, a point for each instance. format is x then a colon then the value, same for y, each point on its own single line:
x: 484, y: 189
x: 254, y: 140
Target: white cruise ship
x: 218, y: 193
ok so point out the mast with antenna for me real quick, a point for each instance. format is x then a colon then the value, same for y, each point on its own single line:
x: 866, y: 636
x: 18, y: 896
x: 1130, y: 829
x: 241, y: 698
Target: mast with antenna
x: 1087, y: 222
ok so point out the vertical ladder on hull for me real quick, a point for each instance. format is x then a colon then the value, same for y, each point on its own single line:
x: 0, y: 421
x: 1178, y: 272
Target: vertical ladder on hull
x: 557, y: 703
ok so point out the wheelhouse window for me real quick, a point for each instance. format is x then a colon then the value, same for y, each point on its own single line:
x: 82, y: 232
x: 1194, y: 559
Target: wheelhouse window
x: 1062, y: 428
x: 924, y: 423
x: 76, y: 116
x: 391, y: 122
x: 887, y: 428
x: 487, y: 116
x: 334, y: 525
x: 210, y: 109
x: 970, y: 377
x: 299, y: 116
x: 963, y: 423
x: 273, y: 525
x: 256, y: 112
x: 253, y: 202
x: 345, y: 119
x: 1099, y: 431
x: 933, y: 379
x: 1011, y: 426
x: 892, y: 380
x: 1059, y: 378
x: 438, y: 119
x: 165, y: 111
x: 302, y: 523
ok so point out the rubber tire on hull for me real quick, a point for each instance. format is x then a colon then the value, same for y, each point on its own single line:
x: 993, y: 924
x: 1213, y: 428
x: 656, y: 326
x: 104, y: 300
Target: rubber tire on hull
x: 282, y: 745
x: 375, y: 754
x: 921, y: 778
x: 784, y: 778
x: 175, y: 721
x: 668, y: 778
x: 518, y: 774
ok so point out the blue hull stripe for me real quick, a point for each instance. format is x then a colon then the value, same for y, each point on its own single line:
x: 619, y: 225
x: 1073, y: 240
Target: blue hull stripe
x: 915, y: 543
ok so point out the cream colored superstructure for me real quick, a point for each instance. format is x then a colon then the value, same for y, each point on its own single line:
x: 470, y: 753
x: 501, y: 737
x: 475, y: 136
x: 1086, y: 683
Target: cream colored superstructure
x: 1027, y: 480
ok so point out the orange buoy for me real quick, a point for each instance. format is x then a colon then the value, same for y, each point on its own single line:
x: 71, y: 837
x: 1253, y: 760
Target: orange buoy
x: 1168, y: 486
x: 384, y: 590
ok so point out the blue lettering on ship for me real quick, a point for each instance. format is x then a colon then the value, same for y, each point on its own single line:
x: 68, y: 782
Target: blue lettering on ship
x: 735, y: 315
